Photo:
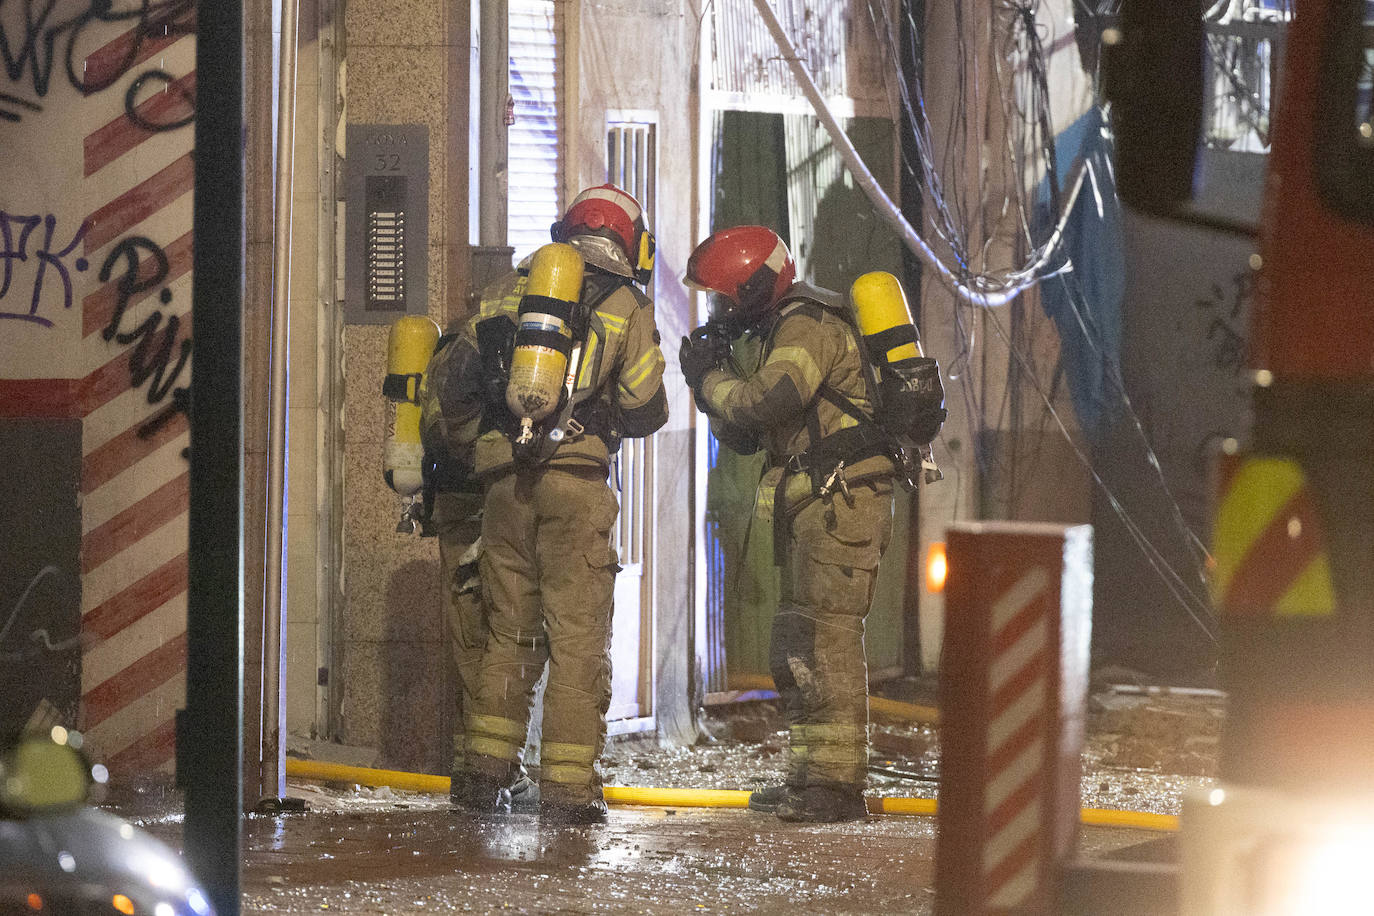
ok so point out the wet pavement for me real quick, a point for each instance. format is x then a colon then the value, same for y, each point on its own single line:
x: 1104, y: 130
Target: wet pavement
x: 352, y: 855
x: 645, y: 860
x: 361, y: 850
x: 369, y: 851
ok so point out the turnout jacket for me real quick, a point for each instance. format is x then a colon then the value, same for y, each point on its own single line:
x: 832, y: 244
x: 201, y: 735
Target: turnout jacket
x: 621, y: 367
x: 779, y: 406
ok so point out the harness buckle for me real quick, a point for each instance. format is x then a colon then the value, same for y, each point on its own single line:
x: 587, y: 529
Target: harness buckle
x: 835, y: 476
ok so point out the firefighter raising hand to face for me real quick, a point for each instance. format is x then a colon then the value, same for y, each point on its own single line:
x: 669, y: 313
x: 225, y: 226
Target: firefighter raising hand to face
x: 828, y: 494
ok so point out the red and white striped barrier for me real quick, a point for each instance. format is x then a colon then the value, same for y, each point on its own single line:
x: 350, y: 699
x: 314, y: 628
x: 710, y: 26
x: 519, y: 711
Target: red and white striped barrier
x: 1013, y: 680
x: 128, y: 188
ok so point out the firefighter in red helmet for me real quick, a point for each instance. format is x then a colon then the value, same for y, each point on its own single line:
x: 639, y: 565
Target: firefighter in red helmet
x: 547, y: 567
x: 829, y: 499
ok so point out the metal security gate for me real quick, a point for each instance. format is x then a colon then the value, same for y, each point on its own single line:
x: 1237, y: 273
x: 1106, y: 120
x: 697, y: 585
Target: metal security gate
x: 630, y: 164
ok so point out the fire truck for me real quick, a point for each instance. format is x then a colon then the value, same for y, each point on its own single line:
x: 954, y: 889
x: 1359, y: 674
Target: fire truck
x: 1289, y: 826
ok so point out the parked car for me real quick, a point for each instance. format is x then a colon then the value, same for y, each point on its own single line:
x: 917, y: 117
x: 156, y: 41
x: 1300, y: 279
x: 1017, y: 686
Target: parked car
x: 60, y: 855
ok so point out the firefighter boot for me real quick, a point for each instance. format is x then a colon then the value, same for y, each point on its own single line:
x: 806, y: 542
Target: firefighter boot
x: 479, y: 794
x: 824, y: 803
x: 484, y: 787
x: 562, y: 804
x: 768, y: 798
x: 524, y: 791
x: 590, y: 812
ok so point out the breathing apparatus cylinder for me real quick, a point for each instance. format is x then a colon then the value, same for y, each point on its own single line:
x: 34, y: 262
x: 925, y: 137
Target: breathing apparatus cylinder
x: 408, y: 348
x: 909, y: 397
x: 883, y: 316
x: 544, y: 336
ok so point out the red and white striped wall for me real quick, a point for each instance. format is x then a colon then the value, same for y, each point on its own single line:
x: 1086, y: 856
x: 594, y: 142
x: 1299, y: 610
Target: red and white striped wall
x: 1013, y: 685
x: 122, y: 349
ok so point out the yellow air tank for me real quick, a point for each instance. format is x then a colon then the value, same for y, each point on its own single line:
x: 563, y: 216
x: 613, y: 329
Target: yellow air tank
x: 880, y: 305
x: 543, y: 336
x: 408, y: 348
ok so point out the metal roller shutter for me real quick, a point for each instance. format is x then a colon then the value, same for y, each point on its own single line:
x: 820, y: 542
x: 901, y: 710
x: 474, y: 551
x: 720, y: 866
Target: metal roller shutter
x: 536, y: 138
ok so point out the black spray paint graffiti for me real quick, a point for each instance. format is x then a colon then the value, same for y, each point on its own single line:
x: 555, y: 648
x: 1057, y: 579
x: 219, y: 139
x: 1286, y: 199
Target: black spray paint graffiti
x: 14, y: 101
x: 1225, y: 331
x: 32, y: 51
x: 167, y: 83
x: 15, y: 234
x: 155, y: 343
x: 37, y: 41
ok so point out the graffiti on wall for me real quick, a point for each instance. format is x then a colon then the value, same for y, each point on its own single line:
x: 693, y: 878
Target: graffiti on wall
x: 154, y: 343
x: 42, y: 41
x: 97, y: 99
x: 1225, y: 309
x: 18, y: 245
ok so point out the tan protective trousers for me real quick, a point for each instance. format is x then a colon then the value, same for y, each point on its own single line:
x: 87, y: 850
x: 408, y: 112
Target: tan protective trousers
x: 458, y: 524
x: 816, y: 653
x: 548, y: 577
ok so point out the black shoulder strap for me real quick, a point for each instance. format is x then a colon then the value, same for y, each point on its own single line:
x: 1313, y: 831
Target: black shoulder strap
x: 844, y: 404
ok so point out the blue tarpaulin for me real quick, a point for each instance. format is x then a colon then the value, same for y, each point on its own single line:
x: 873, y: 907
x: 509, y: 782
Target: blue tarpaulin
x: 1084, y: 293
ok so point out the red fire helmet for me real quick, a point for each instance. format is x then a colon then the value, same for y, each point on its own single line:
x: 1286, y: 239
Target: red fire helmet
x: 748, y: 267
x: 607, y: 211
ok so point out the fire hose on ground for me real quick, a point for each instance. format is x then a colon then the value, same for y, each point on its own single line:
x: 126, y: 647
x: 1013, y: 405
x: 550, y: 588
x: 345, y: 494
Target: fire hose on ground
x: 688, y: 798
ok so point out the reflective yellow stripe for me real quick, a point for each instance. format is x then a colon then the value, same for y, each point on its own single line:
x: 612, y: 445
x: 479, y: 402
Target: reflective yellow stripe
x: 799, y: 357
x: 494, y: 747
x: 763, y: 502
x: 1311, y: 594
x: 716, y: 394
x: 845, y: 755
x: 1258, y: 492
x: 631, y: 379
x: 833, y: 733
x: 584, y: 376
x: 496, y: 727
x: 614, y: 323
x: 566, y: 774
x: 1253, y: 508
x: 580, y: 754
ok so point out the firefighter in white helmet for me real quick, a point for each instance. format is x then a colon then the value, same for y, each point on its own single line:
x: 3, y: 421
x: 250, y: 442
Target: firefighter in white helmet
x: 562, y: 363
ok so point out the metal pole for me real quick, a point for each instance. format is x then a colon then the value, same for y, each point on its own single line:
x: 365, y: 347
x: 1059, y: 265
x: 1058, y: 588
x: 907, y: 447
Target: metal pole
x: 209, y: 733
x: 274, y: 614
x: 494, y: 61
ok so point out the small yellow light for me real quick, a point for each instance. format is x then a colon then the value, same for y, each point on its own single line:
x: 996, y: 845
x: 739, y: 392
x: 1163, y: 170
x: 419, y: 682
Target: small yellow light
x: 59, y: 734
x: 1264, y: 378
x: 1229, y: 446
x: 937, y: 568
x: 1256, y: 262
x: 35, y: 902
x: 123, y: 904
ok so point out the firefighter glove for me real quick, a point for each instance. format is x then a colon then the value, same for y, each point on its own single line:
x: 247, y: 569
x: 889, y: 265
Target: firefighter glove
x: 698, y: 356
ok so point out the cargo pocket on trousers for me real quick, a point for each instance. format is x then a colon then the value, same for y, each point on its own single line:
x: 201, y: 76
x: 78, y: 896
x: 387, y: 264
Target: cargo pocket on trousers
x: 602, y: 554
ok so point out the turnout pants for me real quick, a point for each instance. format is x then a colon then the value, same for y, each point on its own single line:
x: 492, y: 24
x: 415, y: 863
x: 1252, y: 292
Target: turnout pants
x: 817, y: 649
x: 458, y: 524
x: 548, y: 577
